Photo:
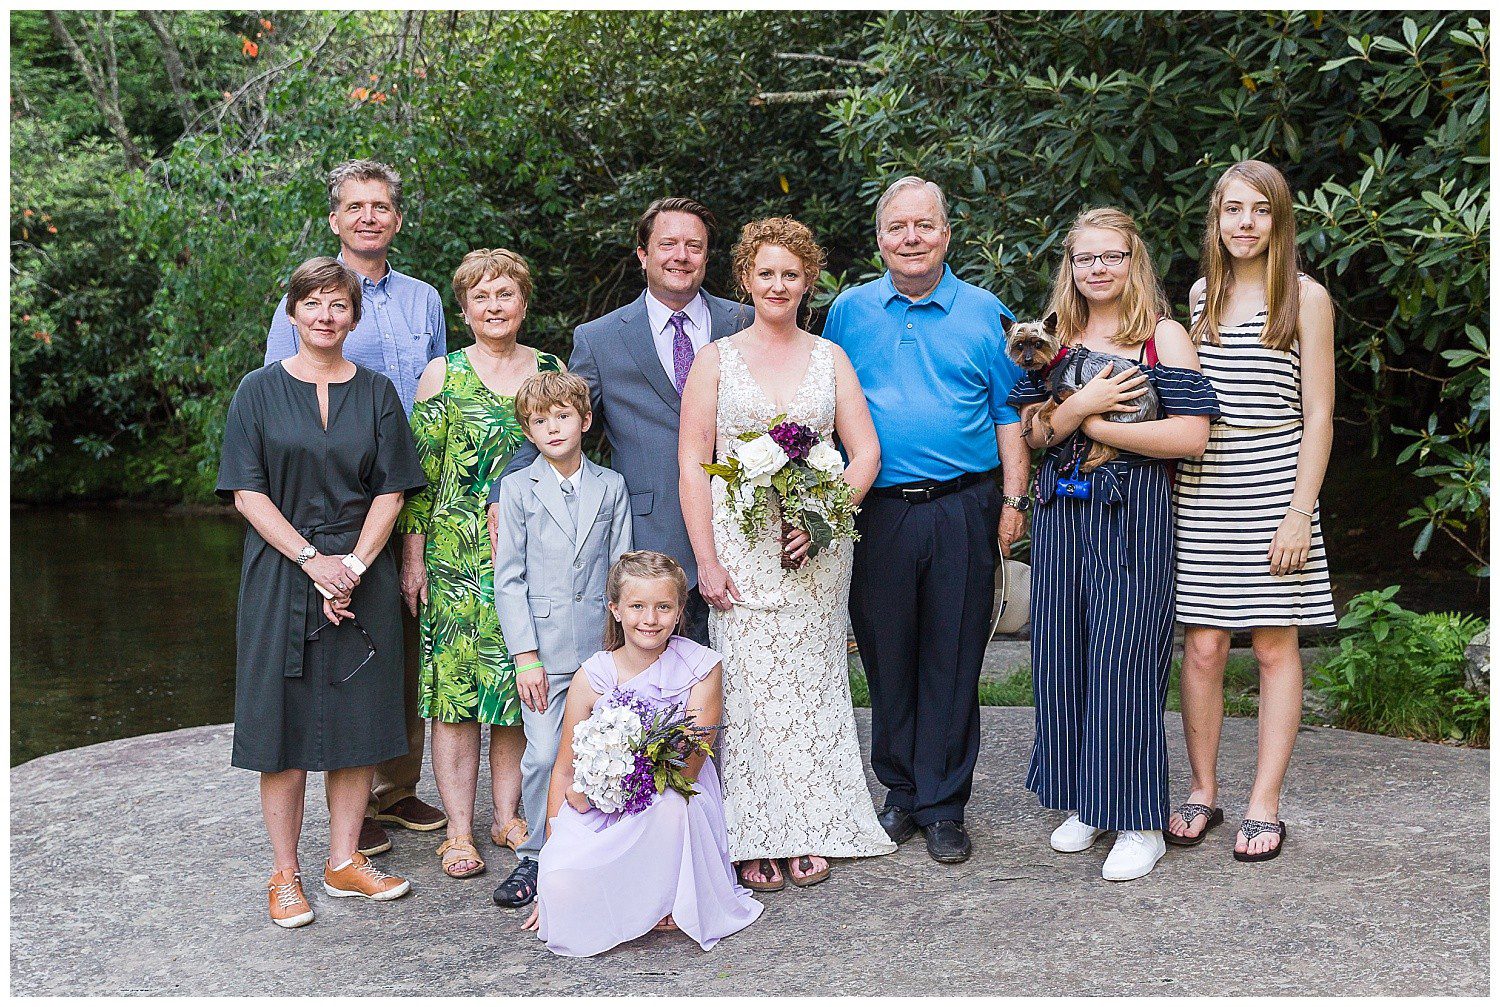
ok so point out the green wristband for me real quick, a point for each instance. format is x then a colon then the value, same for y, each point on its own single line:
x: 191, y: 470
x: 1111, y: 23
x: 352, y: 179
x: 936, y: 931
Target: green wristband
x: 528, y: 667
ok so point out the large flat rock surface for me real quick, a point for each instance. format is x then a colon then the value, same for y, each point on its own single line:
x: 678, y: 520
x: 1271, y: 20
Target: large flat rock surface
x: 138, y: 866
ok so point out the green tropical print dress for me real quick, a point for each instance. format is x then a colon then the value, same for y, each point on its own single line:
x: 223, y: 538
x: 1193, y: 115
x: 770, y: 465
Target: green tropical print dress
x: 465, y: 434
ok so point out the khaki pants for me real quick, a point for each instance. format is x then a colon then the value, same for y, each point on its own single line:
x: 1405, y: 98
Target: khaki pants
x: 396, y: 778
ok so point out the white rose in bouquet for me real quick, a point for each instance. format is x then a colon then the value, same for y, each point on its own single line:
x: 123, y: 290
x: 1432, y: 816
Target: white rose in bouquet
x: 826, y: 458
x: 761, y: 458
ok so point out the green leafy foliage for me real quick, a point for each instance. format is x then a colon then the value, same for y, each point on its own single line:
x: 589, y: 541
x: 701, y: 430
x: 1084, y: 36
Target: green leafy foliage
x: 1402, y: 673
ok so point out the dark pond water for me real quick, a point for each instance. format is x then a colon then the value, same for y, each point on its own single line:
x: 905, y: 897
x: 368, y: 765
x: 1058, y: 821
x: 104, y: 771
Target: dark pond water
x: 122, y: 620
x: 122, y: 623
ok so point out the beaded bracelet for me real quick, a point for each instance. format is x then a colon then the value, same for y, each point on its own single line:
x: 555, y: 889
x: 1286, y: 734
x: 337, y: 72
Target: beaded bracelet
x: 528, y: 667
x: 1299, y: 510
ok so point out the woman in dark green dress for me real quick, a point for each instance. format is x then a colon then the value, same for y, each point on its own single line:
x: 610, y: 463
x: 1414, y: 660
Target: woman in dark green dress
x: 318, y: 457
x: 466, y: 430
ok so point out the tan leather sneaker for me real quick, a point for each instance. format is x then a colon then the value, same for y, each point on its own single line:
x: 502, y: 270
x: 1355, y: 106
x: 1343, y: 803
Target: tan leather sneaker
x: 289, y: 906
x: 362, y: 879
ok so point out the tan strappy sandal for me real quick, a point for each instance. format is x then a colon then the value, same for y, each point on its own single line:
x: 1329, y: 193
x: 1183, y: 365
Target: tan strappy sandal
x: 458, y: 850
x: 506, y: 837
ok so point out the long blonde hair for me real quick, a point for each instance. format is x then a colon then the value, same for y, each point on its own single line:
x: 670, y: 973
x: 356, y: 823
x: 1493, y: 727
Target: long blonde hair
x: 1282, y: 293
x: 1142, y: 304
x: 642, y: 564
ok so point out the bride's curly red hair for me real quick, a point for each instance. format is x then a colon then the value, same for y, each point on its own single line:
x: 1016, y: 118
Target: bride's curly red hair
x: 783, y: 232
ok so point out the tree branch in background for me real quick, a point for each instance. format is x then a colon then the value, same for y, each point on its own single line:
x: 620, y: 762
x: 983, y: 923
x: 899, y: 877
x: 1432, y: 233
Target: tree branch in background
x: 799, y: 97
x: 105, y: 92
x: 243, y: 88
x: 171, y: 58
x: 832, y: 60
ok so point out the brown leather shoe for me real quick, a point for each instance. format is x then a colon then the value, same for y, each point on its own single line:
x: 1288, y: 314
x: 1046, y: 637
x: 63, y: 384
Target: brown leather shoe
x: 289, y: 907
x: 372, y: 838
x: 362, y: 879
x: 412, y: 813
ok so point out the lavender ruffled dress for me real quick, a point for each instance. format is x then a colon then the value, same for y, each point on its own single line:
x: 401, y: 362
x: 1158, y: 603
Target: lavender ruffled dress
x: 607, y: 878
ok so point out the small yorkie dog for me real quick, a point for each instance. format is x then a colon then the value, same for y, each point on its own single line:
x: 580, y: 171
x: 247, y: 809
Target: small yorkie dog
x: 1035, y: 346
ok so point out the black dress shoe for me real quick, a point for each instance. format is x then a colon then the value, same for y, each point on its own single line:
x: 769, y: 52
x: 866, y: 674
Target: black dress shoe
x: 520, y: 888
x: 948, y: 843
x: 897, y: 823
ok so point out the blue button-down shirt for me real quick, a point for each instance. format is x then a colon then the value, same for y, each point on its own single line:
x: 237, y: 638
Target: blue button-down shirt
x: 401, y: 329
x: 934, y: 371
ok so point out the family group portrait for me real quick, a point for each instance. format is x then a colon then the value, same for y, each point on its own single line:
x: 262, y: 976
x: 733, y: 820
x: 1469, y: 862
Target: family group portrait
x: 722, y: 503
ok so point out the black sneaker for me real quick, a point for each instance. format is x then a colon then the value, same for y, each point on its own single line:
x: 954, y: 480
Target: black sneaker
x: 948, y: 843
x: 520, y: 888
x: 897, y: 823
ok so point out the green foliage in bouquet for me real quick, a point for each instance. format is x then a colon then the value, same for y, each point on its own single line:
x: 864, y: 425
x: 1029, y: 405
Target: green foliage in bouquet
x: 671, y: 738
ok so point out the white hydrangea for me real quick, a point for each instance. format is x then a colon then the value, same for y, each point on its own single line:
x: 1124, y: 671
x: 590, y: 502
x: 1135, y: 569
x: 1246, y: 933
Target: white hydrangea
x: 603, y: 756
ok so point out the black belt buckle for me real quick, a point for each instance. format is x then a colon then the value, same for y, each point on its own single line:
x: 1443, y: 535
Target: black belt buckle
x: 916, y: 495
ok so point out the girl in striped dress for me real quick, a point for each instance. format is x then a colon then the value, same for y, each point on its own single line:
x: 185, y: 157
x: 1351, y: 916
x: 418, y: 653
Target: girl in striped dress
x: 1249, y: 543
x: 1101, y: 600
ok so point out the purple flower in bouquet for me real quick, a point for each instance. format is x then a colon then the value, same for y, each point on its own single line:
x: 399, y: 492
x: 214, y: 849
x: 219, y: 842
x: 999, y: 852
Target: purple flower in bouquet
x: 639, y: 786
x: 795, y: 439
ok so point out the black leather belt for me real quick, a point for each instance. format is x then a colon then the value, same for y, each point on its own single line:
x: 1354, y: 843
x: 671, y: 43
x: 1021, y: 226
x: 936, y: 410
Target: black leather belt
x: 926, y: 492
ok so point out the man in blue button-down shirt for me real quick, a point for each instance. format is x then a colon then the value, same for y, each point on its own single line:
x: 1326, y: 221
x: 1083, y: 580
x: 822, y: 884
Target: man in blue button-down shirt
x: 401, y: 326
x: 929, y: 350
x: 400, y: 329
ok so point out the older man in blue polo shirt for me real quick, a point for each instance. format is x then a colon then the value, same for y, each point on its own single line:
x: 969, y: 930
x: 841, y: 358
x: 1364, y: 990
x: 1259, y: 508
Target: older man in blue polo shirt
x: 400, y: 329
x: 929, y: 350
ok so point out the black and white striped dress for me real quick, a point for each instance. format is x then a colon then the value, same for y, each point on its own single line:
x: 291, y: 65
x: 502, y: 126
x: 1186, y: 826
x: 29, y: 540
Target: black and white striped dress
x: 1230, y: 501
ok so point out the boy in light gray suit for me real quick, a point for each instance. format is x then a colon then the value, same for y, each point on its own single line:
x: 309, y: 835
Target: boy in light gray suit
x: 557, y: 528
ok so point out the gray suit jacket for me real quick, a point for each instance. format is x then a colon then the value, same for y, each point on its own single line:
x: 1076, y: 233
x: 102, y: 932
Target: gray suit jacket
x: 549, y: 584
x: 638, y: 409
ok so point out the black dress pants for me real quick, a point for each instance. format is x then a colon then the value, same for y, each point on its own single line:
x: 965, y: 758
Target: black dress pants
x: 921, y: 600
x: 694, y: 624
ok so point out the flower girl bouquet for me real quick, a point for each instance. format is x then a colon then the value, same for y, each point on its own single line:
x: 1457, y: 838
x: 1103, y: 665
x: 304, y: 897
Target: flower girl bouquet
x: 804, y: 473
x: 629, y: 750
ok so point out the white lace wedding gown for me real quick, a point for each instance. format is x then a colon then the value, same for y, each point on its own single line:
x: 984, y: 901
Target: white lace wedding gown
x: 793, y: 775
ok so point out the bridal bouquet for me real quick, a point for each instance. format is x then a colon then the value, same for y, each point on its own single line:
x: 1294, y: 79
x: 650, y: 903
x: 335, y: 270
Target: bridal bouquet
x: 630, y: 750
x: 803, y: 471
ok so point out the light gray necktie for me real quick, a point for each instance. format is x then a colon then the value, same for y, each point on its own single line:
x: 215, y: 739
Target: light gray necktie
x: 571, y: 499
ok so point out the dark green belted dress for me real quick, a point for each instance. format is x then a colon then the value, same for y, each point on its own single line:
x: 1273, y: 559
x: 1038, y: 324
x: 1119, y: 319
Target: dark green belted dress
x: 290, y: 710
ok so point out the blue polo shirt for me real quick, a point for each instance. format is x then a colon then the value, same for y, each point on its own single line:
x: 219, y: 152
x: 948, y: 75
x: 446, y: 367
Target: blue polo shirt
x: 401, y: 329
x: 934, y: 371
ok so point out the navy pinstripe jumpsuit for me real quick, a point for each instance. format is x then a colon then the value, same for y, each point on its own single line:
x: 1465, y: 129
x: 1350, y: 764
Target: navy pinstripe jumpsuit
x: 1102, y: 603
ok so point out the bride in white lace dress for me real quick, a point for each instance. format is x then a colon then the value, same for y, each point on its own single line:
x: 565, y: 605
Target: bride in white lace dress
x: 794, y: 784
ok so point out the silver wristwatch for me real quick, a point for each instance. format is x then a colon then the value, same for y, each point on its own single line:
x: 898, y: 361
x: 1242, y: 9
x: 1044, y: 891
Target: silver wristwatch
x: 1022, y: 504
x: 307, y: 553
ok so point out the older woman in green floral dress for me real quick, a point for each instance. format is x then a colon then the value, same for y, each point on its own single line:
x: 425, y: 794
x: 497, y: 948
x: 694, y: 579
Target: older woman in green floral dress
x: 466, y: 431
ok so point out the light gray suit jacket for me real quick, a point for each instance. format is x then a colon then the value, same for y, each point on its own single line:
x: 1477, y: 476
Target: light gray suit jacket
x: 638, y: 408
x: 549, y: 584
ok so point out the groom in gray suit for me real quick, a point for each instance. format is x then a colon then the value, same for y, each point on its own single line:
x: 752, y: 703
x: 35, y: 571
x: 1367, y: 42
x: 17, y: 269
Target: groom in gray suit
x: 635, y: 360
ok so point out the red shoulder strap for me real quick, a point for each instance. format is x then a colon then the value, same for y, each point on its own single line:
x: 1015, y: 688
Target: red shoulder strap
x: 1151, y: 358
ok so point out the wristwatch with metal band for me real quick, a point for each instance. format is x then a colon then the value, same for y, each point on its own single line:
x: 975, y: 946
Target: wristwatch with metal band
x: 307, y: 553
x: 1022, y: 504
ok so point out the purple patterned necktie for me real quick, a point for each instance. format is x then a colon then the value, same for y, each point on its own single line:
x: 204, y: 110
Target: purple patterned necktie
x: 682, y: 350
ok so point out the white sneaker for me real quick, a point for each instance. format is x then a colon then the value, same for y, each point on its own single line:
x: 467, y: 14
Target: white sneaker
x: 1073, y: 836
x: 1134, y: 855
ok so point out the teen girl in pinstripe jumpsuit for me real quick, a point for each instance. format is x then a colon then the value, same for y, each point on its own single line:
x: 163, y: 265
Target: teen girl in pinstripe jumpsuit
x: 1102, y: 577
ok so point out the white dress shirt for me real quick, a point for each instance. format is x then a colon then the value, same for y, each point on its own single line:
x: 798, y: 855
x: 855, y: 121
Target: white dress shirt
x: 699, y: 328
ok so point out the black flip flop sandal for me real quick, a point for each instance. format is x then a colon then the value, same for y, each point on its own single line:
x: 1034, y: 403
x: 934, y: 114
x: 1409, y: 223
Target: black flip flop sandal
x: 1251, y: 828
x: 1187, y: 813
